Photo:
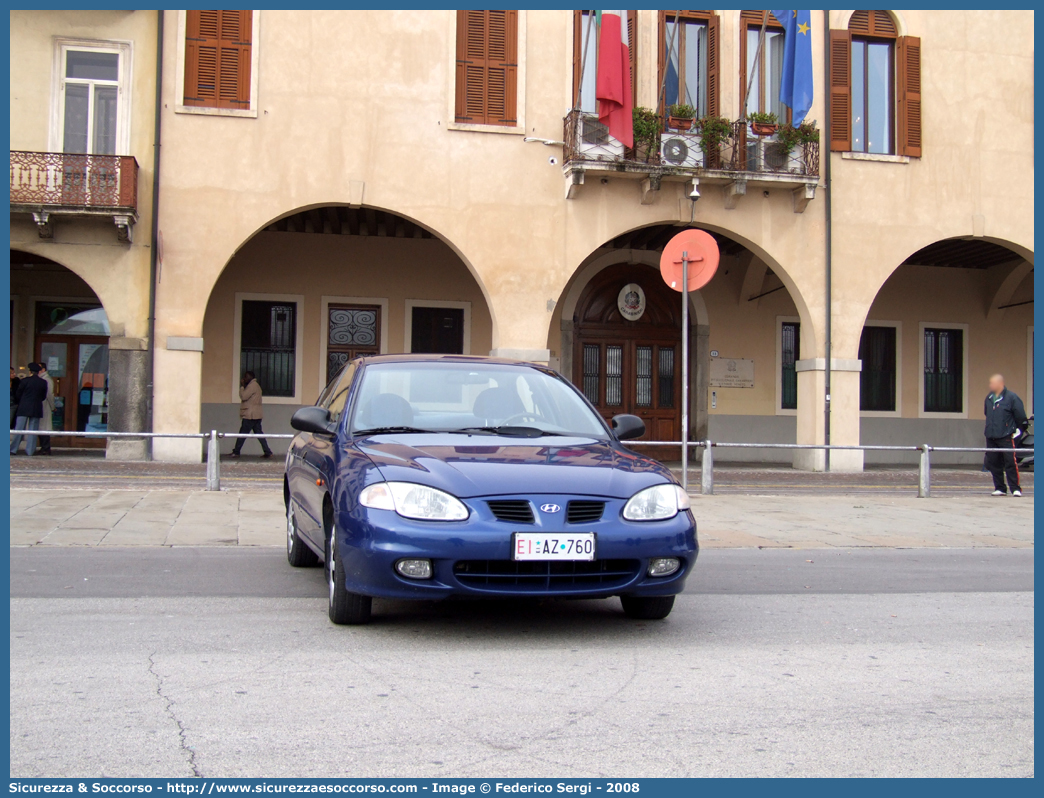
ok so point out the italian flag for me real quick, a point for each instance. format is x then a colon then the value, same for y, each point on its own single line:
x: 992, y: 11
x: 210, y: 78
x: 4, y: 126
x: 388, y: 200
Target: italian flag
x: 613, y: 88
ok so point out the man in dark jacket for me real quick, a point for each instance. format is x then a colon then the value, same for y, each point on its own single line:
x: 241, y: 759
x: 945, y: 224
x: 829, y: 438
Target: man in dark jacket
x: 1005, y: 421
x: 30, y: 396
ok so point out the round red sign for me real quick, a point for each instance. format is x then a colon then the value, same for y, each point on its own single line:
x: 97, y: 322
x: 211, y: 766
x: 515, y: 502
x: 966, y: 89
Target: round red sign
x: 703, y: 256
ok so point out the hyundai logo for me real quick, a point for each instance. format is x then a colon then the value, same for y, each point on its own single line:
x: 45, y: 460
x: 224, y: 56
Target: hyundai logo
x: 549, y: 508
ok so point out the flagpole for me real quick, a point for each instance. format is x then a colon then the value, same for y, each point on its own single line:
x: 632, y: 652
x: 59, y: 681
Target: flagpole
x: 583, y: 62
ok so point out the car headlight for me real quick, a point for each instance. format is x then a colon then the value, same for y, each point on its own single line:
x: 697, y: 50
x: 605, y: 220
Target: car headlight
x: 413, y: 501
x: 657, y: 503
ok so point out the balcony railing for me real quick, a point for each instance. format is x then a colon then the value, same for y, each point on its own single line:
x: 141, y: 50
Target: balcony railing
x: 51, y: 184
x: 589, y: 145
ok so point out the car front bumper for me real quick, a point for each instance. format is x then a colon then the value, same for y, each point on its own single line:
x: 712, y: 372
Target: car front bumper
x: 473, y: 557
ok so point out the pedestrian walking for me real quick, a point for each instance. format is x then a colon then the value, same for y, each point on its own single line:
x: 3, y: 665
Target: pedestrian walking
x: 29, y: 396
x: 1005, y: 421
x: 250, y: 400
x: 47, y: 420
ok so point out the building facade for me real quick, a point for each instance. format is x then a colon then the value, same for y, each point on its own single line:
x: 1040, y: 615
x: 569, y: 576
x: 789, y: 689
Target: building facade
x: 453, y: 191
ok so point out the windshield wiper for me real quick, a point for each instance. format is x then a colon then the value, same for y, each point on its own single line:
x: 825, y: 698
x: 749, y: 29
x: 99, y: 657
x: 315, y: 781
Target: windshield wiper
x: 511, y: 431
x: 387, y: 430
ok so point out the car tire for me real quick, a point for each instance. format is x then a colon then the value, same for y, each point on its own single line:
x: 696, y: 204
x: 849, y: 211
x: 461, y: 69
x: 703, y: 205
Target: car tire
x: 647, y: 608
x: 297, y: 552
x: 346, y: 608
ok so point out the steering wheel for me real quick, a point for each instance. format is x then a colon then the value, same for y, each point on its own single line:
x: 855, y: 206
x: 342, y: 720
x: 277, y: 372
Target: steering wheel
x: 525, y: 416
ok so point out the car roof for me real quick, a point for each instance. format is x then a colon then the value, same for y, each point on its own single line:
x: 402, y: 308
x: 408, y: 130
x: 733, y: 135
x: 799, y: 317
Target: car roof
x: 448, y: 359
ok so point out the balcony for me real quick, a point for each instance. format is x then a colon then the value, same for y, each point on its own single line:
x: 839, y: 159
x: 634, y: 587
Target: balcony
x: 740, y: 158
x: 50, y: 185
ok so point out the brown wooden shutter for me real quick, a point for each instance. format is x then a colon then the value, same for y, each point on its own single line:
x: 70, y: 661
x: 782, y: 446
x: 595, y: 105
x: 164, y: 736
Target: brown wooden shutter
x: 840, y: 91
x: 578, y: 53
x: 487, y: 67
x: 217, y: 58
x: 908, y: 85
x: 713, y: 66
x: 632, y: 52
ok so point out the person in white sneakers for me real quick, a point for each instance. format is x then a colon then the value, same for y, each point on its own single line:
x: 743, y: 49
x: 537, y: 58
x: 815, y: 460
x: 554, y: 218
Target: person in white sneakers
x: 1005, y: 421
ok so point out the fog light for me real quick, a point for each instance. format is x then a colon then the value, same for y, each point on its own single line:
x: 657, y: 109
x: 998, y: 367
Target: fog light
x: 663, y: 566
x: 414, y: 569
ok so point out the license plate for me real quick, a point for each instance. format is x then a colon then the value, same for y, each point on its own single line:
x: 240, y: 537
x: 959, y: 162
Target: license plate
x: 553, y: 546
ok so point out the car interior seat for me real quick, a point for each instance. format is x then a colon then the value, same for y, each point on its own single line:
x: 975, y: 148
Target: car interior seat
x: 387, y: 410
x: 494, y: 405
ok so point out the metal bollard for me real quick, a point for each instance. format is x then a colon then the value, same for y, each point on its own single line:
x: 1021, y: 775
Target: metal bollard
x: 707, y: 470
x: 213, y: 462
x: 924, y: 474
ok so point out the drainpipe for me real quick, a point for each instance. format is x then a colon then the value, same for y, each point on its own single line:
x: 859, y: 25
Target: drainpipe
x: 154, y: 244
x: 828, y: 235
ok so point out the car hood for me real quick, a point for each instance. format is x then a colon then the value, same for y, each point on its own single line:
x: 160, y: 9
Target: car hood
x: 479, y: 465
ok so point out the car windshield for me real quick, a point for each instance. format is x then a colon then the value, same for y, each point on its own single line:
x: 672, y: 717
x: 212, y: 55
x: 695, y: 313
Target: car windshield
x: 482, y: 398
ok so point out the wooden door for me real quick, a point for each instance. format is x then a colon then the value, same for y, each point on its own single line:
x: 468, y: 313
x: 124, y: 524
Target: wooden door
x: 79, y: 367
x: 631, y: 366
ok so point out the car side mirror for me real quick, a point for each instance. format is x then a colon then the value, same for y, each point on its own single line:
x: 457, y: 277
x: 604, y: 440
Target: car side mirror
x: 628, y: 427
x: 313, y: 419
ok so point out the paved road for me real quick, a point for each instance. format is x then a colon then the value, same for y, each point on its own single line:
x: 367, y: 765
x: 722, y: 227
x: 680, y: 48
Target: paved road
x: 886, y: 665
x: 251, y: 473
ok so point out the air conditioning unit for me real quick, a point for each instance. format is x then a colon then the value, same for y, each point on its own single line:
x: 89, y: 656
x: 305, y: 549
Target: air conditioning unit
x: 682, y: 150
x: 593, y: 140
x: 768, y: 156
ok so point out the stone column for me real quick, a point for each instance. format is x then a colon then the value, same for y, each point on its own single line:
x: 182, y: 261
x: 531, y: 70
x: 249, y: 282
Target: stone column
x: 844, y: 414
x: 178, y: 375
x: 128, y: 397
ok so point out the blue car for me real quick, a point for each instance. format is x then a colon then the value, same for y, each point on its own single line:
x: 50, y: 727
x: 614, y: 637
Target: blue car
x: 430, y: 476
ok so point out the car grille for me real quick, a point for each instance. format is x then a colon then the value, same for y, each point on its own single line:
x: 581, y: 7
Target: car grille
x: 544, y: 576
x: 517, y: 511
x: 584, y: 512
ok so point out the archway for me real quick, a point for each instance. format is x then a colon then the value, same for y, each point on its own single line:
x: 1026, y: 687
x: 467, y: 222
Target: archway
x: 947, y: 317
x: 59, y: 321
x: 748, y: 332
x: 320, y: 286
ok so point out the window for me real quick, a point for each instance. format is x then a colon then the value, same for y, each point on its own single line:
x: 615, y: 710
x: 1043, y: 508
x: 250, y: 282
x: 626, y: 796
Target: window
x: 790, y: 339
x: 877, y: 380
x: 268, y: 345
x: 335, y: 403
x: 692, y: 68
x: 761, y: 71
x: 585, y: 72
x: 875, y: 87
x: 487, y: 67
x: 943, y: 370
x: 352, y: 331
x: 90, y: 97
x: 437, y: 330
x: 218, y: 59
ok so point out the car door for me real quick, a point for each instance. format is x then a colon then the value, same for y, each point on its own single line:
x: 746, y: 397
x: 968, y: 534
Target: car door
x: 299, y: 473
x: 316, y: 462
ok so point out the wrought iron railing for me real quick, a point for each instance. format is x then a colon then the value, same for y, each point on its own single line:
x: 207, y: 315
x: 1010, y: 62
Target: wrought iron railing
x: 64, y: 180
x: 587, y: 141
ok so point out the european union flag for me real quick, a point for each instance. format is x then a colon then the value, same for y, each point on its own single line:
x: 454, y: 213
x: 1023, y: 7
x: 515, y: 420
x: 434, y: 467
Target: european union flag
x: 795, y: 87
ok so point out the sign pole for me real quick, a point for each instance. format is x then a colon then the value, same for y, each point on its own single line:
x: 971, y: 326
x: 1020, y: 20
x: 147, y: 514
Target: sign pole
x: 685, y: 370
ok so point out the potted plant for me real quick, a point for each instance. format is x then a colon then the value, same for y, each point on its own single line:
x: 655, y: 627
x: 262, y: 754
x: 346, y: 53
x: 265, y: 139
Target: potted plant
x: 763, y: 123
x: 789, y: 137
x: 713, y: 131
x: 680, y: 116
x: 647, y: 126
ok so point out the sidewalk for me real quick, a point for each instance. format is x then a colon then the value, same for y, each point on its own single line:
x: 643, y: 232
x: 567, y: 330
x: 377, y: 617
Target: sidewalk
x: 256, y: 518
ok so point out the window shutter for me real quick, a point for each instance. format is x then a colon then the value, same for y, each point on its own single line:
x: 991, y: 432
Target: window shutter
x: 487, y: 67
x: 217, y: 58
x: 632, y: 49
x: 713, y: 66
x: 578, y: 52
x: 908, y: 108
x: 840, y: 90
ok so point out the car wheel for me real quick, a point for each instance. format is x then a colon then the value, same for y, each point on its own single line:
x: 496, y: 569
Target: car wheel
x: 297, y: 552
x: 651, y: 608
x: 345, y: 607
